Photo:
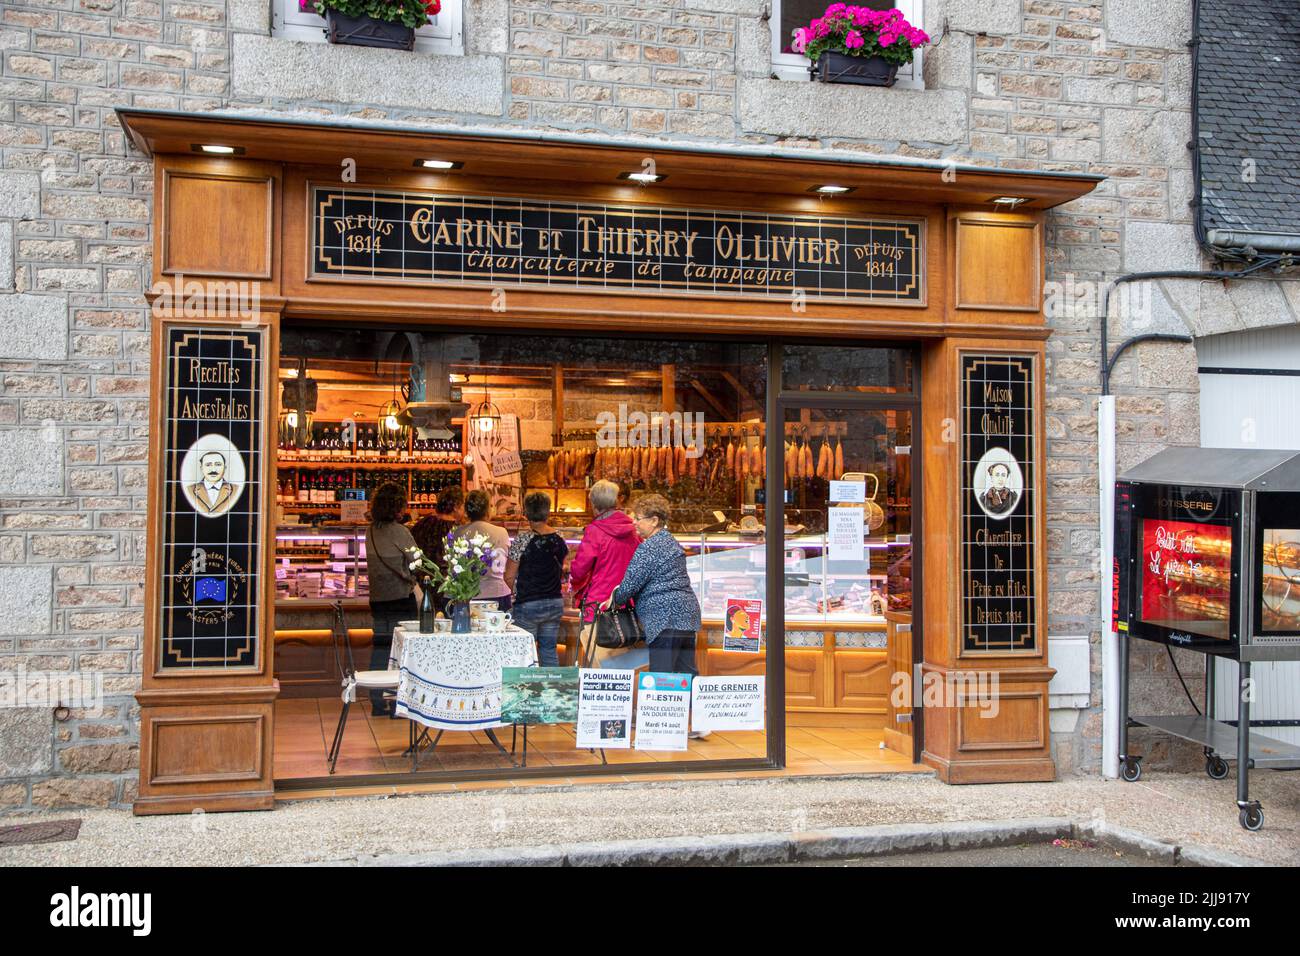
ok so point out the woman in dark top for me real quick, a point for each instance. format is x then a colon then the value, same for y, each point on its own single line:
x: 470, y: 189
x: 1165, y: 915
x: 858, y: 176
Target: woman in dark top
x: 534, y: 568
x: 392, y: 587
x: 431, y: 531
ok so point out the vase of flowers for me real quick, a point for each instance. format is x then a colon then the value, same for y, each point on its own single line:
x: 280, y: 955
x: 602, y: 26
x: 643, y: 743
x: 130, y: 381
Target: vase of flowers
x: 467, y: 563
x: 379, y: 23
x: 858, y: 45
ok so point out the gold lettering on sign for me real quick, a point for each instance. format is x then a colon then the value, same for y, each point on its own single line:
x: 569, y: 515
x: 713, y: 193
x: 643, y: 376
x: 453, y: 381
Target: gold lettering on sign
x: 222, y: 409
x: 665, y: 249
x: 420, y: 223
x: 220, y: 372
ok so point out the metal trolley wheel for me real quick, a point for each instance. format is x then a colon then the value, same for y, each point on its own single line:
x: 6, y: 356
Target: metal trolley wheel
x: 1216, y: 767
x: 1252, y: 818
x: 1131, y: 771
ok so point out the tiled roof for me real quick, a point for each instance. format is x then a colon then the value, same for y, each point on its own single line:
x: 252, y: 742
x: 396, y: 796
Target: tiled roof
x: 1248, y: 92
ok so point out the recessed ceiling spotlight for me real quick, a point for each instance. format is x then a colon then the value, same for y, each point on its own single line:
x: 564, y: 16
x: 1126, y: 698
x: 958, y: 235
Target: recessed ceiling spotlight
x: 829, y: 189
x: 217, y: 149
x: 1010, y: 202
x: 438, y: 164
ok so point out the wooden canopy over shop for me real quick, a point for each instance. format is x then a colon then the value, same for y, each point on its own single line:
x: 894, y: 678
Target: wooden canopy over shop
x: 570, y: 160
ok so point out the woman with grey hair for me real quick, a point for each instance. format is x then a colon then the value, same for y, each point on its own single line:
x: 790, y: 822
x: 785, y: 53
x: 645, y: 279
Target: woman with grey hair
x: 534, y: 568
x: 608, y: 544
x: 657, y: 582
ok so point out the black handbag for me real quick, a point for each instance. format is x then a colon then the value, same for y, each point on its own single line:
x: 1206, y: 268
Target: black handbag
x: 618, y: 628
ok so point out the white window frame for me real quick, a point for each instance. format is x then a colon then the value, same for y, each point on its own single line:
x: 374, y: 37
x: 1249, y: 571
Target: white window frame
x: 443, y: 34
x: 794, y: 66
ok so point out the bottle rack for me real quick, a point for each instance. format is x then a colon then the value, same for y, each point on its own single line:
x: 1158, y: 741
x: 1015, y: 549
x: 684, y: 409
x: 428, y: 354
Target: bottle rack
x: 360, y: 465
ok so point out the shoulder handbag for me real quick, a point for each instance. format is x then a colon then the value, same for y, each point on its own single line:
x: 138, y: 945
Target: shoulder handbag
x: 618, y: 627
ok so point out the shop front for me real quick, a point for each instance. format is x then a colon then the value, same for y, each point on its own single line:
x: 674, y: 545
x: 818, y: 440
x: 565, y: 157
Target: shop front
x: 830, y: 372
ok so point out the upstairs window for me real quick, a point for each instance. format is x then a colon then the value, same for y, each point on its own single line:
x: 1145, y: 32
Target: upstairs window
x: 788, y: 15
x: 442, y: 34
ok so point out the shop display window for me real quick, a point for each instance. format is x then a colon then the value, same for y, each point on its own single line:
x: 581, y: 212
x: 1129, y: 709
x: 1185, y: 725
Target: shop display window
x: 513, y: 415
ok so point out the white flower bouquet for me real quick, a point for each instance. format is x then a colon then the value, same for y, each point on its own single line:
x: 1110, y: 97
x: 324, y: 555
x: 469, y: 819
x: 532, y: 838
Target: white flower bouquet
x: 467, y: 560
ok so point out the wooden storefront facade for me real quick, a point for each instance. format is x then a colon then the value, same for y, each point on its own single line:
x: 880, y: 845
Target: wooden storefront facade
x: 246, y: 217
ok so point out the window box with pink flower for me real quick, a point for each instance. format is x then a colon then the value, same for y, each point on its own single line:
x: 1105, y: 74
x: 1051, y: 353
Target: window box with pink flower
x: 858, y: 45
x: 390, y: 24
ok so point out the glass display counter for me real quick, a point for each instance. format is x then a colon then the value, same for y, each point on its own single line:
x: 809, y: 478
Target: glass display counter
x: 320, y: 564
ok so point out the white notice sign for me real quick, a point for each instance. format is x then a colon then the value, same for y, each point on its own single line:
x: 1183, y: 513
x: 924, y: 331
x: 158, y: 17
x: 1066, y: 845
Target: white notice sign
x: 844, y: 532
x: 848, y: 491
x: 661, y: 710
x: 605, y: 708
x: 727, y: 703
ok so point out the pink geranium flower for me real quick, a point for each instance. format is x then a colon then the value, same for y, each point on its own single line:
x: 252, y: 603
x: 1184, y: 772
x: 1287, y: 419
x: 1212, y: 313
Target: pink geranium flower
x: 860, y: 31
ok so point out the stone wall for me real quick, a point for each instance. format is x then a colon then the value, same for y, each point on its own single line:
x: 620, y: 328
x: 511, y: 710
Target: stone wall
x: 1034, y: 84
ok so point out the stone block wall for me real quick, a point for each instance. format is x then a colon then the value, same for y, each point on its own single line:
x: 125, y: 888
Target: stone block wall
x: 1093, y: 85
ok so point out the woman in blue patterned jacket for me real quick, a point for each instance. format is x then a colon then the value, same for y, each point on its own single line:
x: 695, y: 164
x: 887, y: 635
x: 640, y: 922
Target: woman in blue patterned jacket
x: 656, y: 580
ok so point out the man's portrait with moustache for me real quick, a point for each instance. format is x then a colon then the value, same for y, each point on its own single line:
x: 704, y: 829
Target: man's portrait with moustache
x: 213, y: 494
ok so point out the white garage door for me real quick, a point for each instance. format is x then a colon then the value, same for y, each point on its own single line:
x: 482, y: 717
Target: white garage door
x: 1250, y: 398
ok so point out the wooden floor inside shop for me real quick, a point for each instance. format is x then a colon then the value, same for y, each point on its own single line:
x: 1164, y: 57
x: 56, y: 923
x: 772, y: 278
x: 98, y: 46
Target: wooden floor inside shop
x: 374, y: 745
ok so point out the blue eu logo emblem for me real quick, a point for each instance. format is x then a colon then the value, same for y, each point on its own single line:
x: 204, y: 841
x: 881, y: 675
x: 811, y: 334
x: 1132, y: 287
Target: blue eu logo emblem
x: 209, y: 584
x: 210, y: 589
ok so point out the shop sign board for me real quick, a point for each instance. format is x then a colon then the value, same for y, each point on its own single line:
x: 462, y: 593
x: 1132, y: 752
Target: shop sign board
x: 211, y: 537
x: 360, y: 234
x: 999, y: 503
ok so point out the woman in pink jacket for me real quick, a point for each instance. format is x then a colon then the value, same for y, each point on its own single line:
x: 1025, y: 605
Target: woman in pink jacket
x: 607, y: 546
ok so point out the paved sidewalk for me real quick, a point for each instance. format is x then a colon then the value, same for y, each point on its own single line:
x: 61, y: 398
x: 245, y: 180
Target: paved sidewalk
x: 1185, y: 809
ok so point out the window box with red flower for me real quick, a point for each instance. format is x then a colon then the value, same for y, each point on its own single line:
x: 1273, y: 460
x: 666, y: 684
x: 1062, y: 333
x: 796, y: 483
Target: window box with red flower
x: 858, y: 45
x: 390, y: 24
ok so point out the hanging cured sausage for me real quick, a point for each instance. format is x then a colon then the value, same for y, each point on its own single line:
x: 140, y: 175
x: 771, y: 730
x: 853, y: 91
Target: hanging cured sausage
x: 825, y: 460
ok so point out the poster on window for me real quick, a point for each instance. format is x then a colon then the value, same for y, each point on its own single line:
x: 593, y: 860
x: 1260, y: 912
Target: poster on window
x: 605, y: 708
x: 539, y: 695
x: 492, y: 447
x: 742, y: 625
x: 844, y: 531
x: 663, y: 710
x: 727, y: 703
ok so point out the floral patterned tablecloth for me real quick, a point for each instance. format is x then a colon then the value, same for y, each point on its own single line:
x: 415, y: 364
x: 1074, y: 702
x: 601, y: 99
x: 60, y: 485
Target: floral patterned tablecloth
x: 453, y: 681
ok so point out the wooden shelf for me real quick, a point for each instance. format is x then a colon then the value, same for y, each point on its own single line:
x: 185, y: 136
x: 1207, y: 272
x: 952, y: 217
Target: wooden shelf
x: 351, y: 465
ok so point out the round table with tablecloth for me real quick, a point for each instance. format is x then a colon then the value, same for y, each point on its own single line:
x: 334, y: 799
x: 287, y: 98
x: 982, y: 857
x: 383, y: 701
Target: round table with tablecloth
x: 453, y: 681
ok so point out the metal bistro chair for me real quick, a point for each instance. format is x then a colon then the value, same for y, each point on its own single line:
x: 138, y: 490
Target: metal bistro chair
x: 353, y: 679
